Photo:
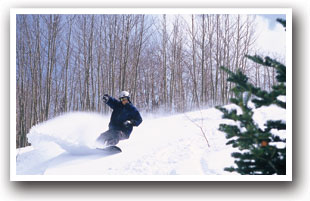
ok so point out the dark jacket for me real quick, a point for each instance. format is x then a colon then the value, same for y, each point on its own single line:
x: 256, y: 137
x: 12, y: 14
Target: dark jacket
x: 122, y: 113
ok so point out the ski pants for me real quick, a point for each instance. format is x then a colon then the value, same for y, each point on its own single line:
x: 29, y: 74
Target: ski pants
x: 111, y: 137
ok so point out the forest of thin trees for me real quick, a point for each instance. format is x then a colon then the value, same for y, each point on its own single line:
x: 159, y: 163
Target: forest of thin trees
x: 167, y: 62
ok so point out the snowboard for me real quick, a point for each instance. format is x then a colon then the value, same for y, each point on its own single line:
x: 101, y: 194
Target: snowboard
x: 110, y: 150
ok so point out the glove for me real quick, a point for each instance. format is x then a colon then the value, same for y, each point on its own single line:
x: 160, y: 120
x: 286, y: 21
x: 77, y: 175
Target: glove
x: 105, y: 98
x: 127, y: 123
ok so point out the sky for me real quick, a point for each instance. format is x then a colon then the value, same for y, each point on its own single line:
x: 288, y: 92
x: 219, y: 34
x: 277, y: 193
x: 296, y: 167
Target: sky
x: 271, y: 35
x: 272, y: 19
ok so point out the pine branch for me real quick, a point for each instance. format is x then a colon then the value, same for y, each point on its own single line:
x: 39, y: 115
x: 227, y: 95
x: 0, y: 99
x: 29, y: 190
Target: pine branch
x: 282, y: 21
x: 260, y: 157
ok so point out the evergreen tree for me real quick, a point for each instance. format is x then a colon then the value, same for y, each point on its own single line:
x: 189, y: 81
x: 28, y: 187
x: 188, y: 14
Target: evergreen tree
x: 258, y: 151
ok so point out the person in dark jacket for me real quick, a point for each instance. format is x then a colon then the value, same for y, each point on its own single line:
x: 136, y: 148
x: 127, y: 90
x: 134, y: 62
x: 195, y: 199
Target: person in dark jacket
x: 124, y: 116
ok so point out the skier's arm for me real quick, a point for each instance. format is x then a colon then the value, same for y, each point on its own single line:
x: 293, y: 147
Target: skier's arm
x: 137, y: 118
x: 110, y: 101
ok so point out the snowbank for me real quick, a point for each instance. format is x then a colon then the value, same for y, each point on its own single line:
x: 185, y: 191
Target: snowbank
x: 171, y: 145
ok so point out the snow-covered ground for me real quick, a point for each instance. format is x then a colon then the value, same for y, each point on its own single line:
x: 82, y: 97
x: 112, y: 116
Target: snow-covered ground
x: 169, y: 145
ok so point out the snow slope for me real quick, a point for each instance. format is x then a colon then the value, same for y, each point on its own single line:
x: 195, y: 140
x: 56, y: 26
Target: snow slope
x: 170, y: 145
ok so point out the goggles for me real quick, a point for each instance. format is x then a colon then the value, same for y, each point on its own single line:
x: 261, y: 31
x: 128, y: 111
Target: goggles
x: 123, y: 98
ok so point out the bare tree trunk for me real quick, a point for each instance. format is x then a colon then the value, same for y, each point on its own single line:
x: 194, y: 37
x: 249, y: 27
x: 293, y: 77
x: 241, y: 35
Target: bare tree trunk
x: 194, y: 62
x: 90, y: 61
x: 218, y: 59
x: 126, y: 52
x: 203, y: 60
x: 65, y: 101
x: 164, y: 60
x: 137, y: 58
x: 210, y: 31
x: 99, y: 55
x: 52, y: 36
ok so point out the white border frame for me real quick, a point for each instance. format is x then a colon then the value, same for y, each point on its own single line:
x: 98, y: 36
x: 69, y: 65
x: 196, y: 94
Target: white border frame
x: 289, y: 126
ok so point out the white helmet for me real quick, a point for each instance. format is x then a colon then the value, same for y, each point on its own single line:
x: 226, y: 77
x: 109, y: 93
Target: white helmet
x: 124, y: 94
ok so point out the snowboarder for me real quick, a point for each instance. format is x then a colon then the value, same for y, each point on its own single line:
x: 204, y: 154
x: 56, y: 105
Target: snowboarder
x: 124, y: 116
